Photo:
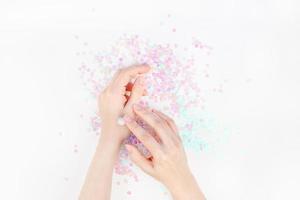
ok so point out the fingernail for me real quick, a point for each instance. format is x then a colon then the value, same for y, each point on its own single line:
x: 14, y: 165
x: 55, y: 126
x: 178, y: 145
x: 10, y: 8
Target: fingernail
x: 127, y: 119
x: 147, y: 65
x: 137, y: 107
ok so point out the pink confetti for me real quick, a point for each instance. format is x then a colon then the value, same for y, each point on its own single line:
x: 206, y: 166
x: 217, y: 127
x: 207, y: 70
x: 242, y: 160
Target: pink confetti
x: 173, y: 84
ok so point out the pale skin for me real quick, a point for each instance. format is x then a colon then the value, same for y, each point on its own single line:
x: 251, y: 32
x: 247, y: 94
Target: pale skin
x: 168, y: 163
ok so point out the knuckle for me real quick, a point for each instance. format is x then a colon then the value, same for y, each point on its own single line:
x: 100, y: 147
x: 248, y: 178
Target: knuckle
x: 157, y: 121
x: 156, y: 152
x: 160, y: 125
x: 174, y: 145
x: 162, y: 158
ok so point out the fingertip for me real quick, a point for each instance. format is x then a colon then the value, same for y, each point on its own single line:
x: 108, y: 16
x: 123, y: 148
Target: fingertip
x: 146, y: 64
x: 146, y: 67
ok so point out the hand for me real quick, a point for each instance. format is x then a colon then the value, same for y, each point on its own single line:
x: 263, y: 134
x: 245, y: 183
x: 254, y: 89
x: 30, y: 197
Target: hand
x: 114, y: 101
x: 169, y: 163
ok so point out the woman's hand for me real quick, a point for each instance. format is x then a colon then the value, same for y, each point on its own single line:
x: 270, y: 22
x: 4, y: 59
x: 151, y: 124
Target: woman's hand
x: 168, y: 163
x: 117, y: 99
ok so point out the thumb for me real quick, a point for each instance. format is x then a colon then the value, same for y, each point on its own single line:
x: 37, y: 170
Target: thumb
x: 139, y: 159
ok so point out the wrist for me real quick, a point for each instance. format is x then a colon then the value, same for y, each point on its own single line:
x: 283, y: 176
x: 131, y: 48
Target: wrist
x: 111, y: 135
x: 185, y: 188
x: 179, y: 180
x: 108, y: 145
x: 107, y: 149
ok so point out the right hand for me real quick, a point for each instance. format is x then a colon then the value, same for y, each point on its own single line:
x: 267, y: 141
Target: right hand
x: 169, y: 163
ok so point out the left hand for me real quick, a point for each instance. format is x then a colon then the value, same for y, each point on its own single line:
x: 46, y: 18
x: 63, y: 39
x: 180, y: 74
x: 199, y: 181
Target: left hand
x: 114, y: 101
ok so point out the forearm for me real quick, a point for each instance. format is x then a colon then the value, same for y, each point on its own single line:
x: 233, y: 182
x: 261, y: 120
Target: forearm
x: 98, y: 181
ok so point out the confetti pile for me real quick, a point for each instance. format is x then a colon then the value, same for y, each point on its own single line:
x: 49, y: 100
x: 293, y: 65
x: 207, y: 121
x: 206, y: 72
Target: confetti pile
x: 176, y: 85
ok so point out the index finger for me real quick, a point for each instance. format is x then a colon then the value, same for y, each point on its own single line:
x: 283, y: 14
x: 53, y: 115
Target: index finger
x: 124, y: 75
x: 160, y: 126
x: 169, y: 120
x: 143, y: 135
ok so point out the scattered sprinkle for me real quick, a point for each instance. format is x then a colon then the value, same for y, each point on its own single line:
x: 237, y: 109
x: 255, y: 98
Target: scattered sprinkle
x: 179, y: 82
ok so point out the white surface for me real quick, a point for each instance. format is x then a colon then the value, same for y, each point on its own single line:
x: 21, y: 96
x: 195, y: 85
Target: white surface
x: 256, y: 46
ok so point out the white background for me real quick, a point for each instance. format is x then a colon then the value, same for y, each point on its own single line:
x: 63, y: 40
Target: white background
x: 256, y: 46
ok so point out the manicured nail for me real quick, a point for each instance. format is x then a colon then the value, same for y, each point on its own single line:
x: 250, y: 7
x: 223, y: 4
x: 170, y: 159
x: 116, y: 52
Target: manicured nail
x: 138, y: 107
x: 127, y: 119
